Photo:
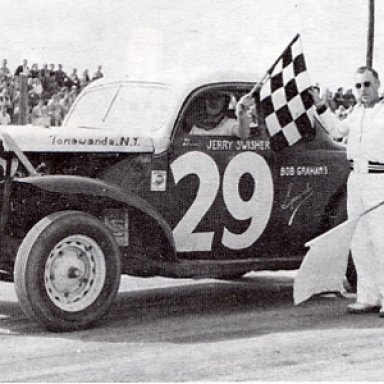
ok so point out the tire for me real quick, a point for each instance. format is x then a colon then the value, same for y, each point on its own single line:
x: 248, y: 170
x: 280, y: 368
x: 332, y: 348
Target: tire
x: 234, y: 276
x: 351, y: 275
x: 67, y: 271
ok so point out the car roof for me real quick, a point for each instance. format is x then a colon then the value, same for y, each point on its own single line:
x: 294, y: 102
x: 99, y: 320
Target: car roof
x: 181, y: 85
x: 188, y: 81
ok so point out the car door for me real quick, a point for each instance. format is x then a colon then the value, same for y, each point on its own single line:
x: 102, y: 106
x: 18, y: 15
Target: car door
x: 221, y: 189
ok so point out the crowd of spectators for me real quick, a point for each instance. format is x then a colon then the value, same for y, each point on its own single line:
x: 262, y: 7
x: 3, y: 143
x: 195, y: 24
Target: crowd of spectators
x: 50, y: 92
x: 340, y: 102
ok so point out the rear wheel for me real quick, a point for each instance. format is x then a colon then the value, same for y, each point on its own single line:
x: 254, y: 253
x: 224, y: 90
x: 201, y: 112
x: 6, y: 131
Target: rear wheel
x: 67, y: 271
x: 351, y: 275
x: 233, y: 276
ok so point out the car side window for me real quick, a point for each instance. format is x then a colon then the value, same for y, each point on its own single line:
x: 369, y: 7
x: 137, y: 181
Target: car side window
x: 213, y: 113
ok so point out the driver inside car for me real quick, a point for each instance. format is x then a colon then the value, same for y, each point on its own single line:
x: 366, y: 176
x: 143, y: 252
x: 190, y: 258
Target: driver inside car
x: 213, y: 118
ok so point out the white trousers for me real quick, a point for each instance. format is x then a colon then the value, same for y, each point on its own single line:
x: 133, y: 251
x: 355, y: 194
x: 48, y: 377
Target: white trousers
x: 365, y: 191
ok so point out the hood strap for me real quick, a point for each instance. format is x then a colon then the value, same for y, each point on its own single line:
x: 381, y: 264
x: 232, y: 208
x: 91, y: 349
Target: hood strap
x: 19, y: 153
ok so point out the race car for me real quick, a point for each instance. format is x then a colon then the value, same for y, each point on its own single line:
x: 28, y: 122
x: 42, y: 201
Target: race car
x: 125, y: 187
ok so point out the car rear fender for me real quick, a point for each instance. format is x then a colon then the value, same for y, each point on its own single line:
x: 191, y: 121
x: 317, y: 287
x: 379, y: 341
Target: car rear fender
x: 335, y: 211
x: 71, y: 189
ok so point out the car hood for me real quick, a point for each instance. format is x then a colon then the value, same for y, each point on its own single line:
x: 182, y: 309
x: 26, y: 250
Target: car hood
x: 30, y: 138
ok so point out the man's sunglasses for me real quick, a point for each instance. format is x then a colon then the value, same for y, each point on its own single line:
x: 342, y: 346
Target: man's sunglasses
x: 366, y: 84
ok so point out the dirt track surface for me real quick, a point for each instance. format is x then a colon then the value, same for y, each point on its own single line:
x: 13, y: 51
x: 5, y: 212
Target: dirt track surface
x: 182, y: 330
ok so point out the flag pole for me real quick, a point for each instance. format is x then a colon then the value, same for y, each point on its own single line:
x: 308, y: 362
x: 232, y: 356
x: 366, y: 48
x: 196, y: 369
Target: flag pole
x: 256, y: 88
x: 371, y: 33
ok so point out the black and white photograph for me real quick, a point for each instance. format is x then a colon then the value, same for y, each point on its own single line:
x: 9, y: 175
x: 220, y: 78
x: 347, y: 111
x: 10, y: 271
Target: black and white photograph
x: 191, y: 191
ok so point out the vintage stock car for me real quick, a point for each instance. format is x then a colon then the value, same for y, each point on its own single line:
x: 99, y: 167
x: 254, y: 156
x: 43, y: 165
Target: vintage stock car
x: 124, y: 187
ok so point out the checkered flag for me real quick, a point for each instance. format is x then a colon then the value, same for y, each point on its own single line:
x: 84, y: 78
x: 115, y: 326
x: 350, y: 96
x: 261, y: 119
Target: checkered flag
x: 286, y: 105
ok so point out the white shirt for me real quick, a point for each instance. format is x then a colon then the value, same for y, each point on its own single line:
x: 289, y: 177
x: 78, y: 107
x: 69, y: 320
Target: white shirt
x: 364, y: 128
x: 5, y: 119
x: 226, y: 127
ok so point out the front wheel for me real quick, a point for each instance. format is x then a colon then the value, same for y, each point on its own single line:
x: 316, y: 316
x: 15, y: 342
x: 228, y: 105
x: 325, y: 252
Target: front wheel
x: 67, y: 271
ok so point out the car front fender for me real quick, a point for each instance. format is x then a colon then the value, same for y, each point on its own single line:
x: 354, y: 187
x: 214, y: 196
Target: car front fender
x: 72, y: 186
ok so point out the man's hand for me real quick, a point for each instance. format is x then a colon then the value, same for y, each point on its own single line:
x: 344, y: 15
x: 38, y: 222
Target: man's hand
x: 317, y: 99
x: 246, y: 113
x: 246, y: 106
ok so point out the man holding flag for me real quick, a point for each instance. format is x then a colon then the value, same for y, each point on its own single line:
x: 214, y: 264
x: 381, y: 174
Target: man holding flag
x: 287, y: 104
x: 364, y: 129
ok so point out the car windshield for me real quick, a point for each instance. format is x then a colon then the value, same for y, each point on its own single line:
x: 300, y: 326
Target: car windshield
x: 122, y: 106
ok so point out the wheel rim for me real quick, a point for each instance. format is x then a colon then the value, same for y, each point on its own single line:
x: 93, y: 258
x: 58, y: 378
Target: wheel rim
x: 75, y: 273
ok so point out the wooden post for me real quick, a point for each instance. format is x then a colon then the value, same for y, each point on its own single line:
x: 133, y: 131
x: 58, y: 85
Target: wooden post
x: 371, y: 33
x: 23, y: 100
